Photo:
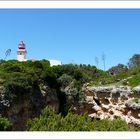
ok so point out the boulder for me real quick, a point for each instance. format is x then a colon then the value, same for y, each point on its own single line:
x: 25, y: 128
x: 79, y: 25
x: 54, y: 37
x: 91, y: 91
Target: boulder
x: 133, y: 104
x: 136, y: 91
x: 101, y: 92
x: 115, y: 93
x: 93, y: 115
x: 105, y: 106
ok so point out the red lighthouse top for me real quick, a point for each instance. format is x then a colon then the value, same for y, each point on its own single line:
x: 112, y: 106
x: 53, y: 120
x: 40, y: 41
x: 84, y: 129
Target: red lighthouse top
x: 21, y: 45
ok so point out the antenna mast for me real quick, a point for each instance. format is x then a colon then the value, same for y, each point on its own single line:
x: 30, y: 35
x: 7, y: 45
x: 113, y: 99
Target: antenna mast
x: 7, y: 53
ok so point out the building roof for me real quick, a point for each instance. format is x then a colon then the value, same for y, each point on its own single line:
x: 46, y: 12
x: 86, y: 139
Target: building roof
x: 21, y: 45
x: 55, y: 62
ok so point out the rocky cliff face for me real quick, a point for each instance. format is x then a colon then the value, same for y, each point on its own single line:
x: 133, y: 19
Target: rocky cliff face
x: 28, y: 105
x: 111, y: 102
x: 101, y: 102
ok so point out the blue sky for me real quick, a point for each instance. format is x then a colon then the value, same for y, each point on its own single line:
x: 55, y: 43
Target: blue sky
x: 72, y: 35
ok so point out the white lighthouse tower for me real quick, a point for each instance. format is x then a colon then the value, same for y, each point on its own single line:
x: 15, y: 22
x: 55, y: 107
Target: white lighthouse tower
x: 21, y: 52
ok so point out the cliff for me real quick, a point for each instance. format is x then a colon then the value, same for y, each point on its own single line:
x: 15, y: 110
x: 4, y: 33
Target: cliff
x: 27, y: 88
x: 28, y: 105
x: 109, y: 102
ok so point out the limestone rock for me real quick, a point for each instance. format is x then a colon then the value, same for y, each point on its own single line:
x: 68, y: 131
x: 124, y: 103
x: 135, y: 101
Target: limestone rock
x: 112, y: 102
x: 133, y: 104
x: 96, y: 108
x: 101, y: 92
x: 93, y: 115
x: 136, y: 91
x: 105, y: 106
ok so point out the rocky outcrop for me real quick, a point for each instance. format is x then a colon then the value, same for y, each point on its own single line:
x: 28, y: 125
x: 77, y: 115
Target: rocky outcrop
x: 136, y: 91
x: 112, y: 102
x: 27, y: 106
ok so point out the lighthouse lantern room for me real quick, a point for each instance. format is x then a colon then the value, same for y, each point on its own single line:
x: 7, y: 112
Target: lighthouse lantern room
x: 21, y: 52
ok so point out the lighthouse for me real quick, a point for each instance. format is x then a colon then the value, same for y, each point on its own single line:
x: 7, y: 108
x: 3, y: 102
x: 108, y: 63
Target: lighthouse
x: 21, y: 52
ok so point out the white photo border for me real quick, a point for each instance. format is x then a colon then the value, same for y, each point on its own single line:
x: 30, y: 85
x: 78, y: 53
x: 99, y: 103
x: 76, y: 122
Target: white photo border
x: 69, y: 4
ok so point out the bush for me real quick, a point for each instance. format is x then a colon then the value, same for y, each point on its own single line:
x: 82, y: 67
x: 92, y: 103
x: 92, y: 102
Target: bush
x: 18, y: 86
x: 64, y: 80
x: 134, y: 81
x: 49, y: 121
x: 4, y: 124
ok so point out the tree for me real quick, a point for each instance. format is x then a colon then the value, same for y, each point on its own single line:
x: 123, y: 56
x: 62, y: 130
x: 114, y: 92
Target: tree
x: 134, y: 61
x: 119, y: 69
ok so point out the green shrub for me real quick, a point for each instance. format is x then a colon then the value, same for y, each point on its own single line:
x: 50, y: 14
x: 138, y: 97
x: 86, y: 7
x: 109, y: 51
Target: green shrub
x: 4, y: 124
x: 134, y: 81
x: 18, y: 86
x: 49, y: 121
x: 64, y: 80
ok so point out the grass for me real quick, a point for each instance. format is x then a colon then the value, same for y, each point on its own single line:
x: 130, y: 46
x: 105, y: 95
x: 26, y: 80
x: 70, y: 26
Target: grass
x: 134, y: 81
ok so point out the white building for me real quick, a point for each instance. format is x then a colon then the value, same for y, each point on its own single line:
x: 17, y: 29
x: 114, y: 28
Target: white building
x: 55, y: 62
x: 21, y: 52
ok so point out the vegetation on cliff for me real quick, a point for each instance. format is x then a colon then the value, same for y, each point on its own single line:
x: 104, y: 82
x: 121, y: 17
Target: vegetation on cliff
x: 27, y: 83
x: 128, y: 74
x: 23, y: 85
x: 49, y: 121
